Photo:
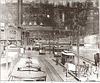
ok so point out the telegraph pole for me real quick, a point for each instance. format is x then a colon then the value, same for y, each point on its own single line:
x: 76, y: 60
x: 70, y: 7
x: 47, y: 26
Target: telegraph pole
x: 0, y: 43
x: 78, y: 44
x: 99, y: 40
x: 20, y: 12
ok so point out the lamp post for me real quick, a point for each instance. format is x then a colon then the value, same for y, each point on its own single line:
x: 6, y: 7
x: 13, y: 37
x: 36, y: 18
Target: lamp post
x: 78, y: 51
x: 6, y: 38
x: 0, y: 48
x: 99, y: 40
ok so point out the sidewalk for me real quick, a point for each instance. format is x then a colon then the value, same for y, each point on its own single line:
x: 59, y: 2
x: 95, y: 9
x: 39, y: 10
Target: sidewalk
x: 5, y: 72
x: 60, y: 69
x: 91, y: 75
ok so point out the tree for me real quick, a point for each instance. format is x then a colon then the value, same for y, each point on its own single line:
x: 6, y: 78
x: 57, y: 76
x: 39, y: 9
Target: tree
x: 79, y: 22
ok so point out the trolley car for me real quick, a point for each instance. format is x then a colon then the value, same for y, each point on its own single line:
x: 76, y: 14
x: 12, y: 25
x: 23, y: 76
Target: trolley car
x: 69, y: 57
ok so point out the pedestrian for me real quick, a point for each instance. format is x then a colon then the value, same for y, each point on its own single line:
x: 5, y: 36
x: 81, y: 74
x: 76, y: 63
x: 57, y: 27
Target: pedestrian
x: 66, y: 67
x: 57, y: 60
x: 63, y: 60
x: 85, y: 68
x: 96, y: 58
x: 54, y: 50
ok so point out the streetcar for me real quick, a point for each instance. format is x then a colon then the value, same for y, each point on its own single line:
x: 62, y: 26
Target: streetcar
x: 69, y: 57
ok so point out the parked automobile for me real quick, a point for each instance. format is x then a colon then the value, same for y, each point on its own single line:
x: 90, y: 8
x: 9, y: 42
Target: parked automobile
x: 42, y: 50
x: 37, y: 46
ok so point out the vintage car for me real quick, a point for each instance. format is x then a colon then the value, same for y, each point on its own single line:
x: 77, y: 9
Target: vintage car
x: 37, y: 46
x: 42, y: 50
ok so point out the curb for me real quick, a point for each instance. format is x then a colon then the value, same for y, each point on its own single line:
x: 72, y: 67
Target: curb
x: 70, y: 72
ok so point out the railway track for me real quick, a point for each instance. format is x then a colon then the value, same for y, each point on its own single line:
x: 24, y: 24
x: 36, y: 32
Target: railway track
x: 54, y: 76
x: 87, y: 60
x: 47, y: 70
x: 55, y: 72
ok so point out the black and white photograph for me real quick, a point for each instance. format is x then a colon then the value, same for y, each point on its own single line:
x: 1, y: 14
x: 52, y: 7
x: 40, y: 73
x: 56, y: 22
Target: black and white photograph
x: 50, y: 41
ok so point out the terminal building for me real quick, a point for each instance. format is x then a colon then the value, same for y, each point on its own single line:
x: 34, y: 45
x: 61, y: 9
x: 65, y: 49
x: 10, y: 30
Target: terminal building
x: 38, y: 38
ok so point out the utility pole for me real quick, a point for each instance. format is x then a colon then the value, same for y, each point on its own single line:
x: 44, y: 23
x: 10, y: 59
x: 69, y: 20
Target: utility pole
x: 99, y: 41
x: 20, y: 12
x: 0, y: 52
x: 78, y: 44
x: 20, y: 16
x: 0, y: 42
x: 49, y: 43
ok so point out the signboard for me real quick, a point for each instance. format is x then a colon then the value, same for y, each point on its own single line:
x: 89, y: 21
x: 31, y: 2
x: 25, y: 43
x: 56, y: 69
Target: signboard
x: 2, y: 35
x: 10, y: 33
x: 13, y: 33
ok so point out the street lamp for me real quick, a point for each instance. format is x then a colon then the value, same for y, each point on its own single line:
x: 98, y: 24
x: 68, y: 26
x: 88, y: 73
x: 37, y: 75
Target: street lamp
x: 48, y: 16
x: 41, y: 23
x: 30, y: 23
x: 34, y: 23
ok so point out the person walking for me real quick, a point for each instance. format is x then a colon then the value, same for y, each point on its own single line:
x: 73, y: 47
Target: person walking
x: 66, y: 67
x: 84, y: 67
x: 57, y: 60
x: 96, y: 58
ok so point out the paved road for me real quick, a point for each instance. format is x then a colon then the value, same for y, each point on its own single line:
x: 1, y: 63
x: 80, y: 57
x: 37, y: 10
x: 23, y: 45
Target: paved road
x: 52, y: 74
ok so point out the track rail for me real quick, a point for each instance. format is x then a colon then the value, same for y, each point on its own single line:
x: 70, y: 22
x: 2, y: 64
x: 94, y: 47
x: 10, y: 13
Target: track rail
x: 55, y: 72
x: 86, y: 59
x: 54, y: 76
x: 47, y: 70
